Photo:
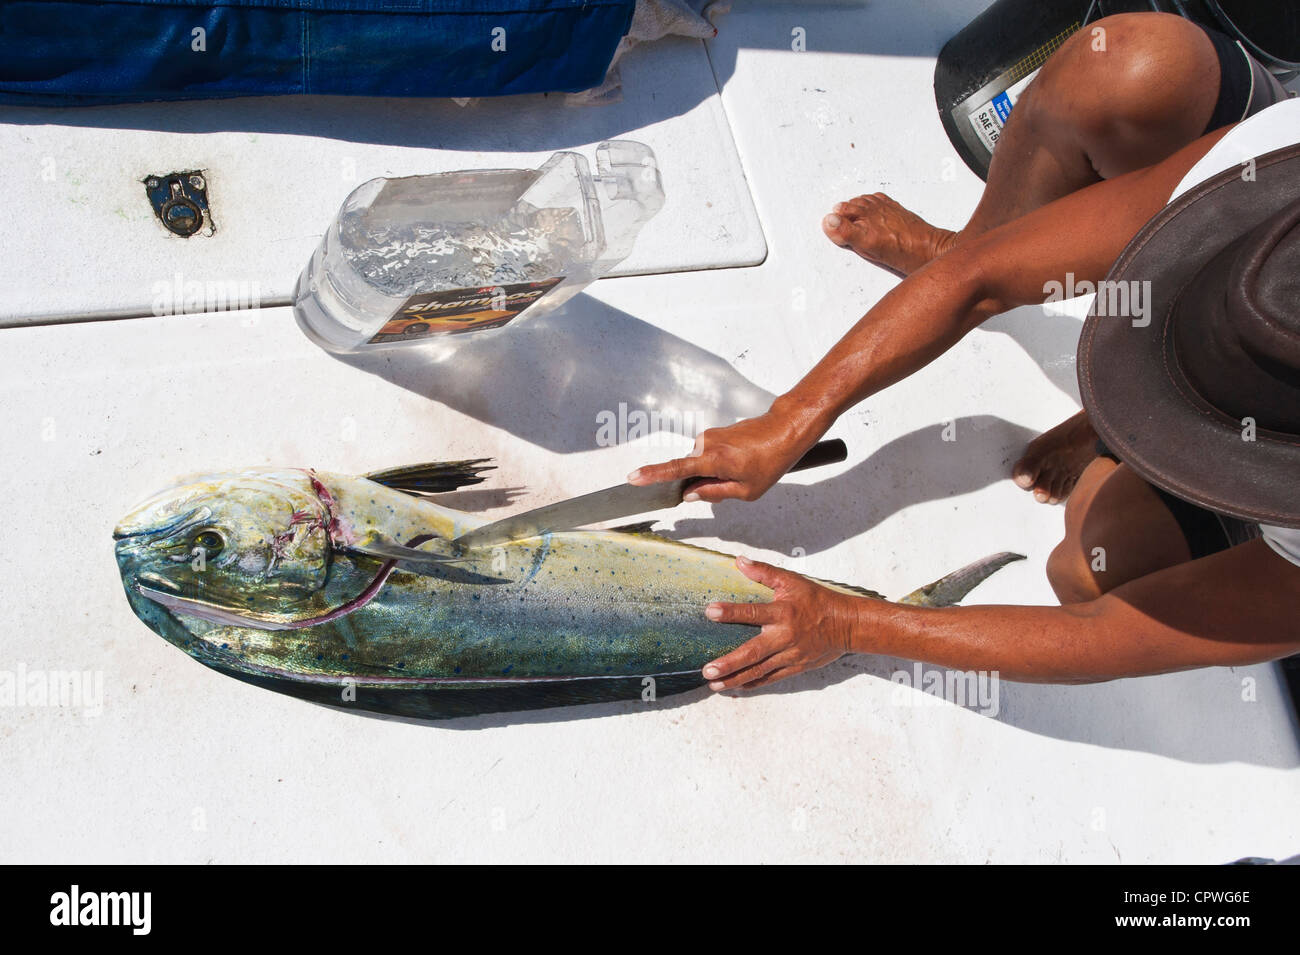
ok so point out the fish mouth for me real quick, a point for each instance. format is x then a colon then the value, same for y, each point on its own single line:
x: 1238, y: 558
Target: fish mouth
x: 157, y: 580
x: 212, y: 613
x: 154, y: 532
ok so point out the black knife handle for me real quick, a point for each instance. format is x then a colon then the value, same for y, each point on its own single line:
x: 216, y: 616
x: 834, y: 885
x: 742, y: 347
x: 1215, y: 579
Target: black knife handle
x: 823, y: 452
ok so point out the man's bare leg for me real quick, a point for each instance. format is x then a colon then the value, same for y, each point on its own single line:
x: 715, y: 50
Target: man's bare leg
x: 1097, y: 110
x: 1053, y: 461
x: 886, y: 234
x: 1092, y: 113
x: 1116, y: 530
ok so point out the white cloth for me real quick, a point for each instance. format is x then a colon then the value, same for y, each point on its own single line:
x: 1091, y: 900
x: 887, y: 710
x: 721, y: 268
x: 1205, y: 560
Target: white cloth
x: 1269, y: 129
x: 653, y: 20
x: 1284, y: 540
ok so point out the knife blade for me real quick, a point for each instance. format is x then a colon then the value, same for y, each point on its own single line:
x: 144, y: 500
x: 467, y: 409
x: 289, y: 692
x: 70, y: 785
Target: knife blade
x: 622, y: 500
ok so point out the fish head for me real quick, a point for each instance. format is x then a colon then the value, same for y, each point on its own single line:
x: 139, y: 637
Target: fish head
x: 230, y: 546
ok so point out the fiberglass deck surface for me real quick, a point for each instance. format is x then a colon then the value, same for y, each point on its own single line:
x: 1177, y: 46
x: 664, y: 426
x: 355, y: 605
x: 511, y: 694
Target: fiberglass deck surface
x: 183, y: 764
x: 277, y: 169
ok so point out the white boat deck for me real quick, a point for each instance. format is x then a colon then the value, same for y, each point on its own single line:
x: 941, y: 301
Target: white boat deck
x: 185, y: 765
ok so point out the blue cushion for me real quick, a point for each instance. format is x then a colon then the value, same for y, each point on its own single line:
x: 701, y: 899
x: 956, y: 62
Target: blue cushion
x: 69, y: 53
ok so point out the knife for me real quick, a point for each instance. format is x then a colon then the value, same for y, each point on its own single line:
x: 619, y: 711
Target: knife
x: 622, y: 500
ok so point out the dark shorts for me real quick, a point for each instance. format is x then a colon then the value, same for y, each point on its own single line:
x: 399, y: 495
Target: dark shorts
x: 1245, y: 86
x: 1206, y: 532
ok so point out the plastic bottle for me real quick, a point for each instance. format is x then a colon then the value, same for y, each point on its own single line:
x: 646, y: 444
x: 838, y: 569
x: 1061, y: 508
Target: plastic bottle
x: 416, y: 259
x: 981, y: 72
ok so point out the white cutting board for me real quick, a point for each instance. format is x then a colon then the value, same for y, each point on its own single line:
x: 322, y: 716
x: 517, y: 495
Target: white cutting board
x: 80, y: 240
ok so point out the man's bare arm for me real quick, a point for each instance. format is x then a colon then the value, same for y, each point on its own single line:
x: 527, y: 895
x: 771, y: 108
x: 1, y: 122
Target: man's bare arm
x: 1232, y: 608
x: 933, y: 308
x: 928, y: 313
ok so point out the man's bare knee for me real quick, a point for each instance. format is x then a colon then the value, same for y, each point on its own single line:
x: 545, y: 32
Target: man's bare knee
x: 1070, y: 575
x: 1124, y: 76
x: 1146, y: 85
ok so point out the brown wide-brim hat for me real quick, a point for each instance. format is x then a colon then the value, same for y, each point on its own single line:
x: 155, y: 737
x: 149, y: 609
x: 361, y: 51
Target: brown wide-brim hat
x: 1204, y: 400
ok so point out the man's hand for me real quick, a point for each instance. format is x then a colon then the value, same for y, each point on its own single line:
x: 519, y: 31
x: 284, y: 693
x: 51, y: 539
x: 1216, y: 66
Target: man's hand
x: 741, y: 460
x: 805, y: 626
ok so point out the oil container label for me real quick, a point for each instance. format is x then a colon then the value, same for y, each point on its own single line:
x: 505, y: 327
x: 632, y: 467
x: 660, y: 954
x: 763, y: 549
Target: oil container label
x: 988, y: 119
x: 459, y: 310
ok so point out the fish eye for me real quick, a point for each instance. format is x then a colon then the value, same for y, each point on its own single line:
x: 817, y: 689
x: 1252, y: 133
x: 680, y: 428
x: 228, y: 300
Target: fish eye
x: 211, y: 542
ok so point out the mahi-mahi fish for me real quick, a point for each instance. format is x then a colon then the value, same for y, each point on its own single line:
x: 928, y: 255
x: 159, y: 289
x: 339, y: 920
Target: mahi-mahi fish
x: 351, y: 592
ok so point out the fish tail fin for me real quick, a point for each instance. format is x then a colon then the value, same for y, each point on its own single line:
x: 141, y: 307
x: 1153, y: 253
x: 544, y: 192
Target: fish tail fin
x: 949, y: 590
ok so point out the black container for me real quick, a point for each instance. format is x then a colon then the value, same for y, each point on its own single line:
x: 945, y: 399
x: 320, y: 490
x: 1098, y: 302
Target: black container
x: 982, y: 70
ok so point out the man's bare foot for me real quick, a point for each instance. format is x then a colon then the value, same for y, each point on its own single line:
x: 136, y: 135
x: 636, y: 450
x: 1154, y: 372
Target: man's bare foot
x: 881, y: 231
x: 1054, y: 460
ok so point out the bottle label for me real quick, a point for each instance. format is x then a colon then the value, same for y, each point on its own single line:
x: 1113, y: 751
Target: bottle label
x: 459, y: 310
x: 987, y: 120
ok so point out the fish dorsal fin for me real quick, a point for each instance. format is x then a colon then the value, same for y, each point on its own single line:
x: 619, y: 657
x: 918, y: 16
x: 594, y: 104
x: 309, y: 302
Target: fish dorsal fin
x: 435, y: 477
x: 643, y: 529
x: 852, y: 588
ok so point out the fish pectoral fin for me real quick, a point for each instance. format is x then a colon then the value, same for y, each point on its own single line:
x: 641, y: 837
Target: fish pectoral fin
x: 949, y: 590
x: 405, y: 553
x: 423, y: 562
x: 641, y: 527
x: 435, y: 477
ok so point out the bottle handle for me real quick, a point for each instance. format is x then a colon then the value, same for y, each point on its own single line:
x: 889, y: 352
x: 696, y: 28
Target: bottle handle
x: 630, y: 193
